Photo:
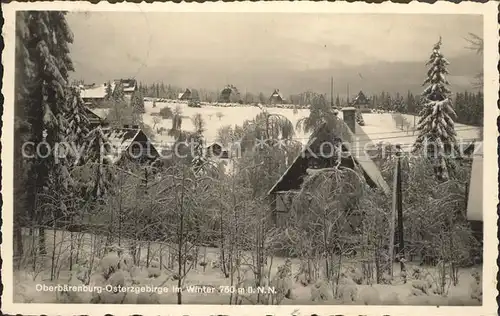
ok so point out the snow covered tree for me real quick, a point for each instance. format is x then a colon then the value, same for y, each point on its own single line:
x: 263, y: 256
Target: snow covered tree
x: 109, y: 91
x: 78, y: 123
x: 176, y: 122
x: 98, y: 163
x: 436, y: 128
x: 42, y: 63
x: 321, y: 112
x: 399, y: 105
x: 118, y: 94
x: 359, y: 118
x: 138, y: 102
x: 200, y: 126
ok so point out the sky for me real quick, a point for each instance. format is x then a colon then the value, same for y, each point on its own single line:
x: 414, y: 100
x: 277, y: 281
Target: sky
x: 261, y: 51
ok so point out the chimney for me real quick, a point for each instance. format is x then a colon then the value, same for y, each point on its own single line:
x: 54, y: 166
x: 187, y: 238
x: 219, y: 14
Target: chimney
x: 350, y: 118
x: 126, y: 126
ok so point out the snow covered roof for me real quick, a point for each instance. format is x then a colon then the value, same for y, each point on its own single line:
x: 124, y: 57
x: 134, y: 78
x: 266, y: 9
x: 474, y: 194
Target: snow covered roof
x: 120, y: 140
x: 96, y: 91
x: 362, y: 144
x: 360, y: 99
x: 475, y: 201
x: 92, y: 116
x: 364, y: 161
x: 229, y: 89
x: 129, y: 85
x: 101, y: 112
x: 277, y: 94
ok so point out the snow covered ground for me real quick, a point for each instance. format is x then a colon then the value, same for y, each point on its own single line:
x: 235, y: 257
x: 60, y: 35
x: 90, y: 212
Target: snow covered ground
x: 378, y: 127
x: 230, y: 116
x: 397, y: 293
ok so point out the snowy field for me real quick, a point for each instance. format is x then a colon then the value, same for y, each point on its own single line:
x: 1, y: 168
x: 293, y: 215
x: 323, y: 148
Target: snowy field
x: 378, y: 127
x: 396, y: 293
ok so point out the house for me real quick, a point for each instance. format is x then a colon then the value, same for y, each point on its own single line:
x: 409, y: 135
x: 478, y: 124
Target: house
x: 346, y: 132
x: 360, y: 101
x: 129, y: 143
x: 186, y: 95
x: 94, y: 95
x: 95, y: 120
x: 475, y: 194
x: 216, y: 150
x: 276, y: 97
x: 129, y: 86
x: 229, y: 94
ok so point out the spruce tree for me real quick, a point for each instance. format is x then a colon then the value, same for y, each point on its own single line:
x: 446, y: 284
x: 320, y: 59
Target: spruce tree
x: 109, y: 91
x: 78, y: 123
x: 118, y: 93
x: 337, y: 102
x: 138, y: 102
x: 436, y: 128
x: 98, y: 160
x: 43, y: 64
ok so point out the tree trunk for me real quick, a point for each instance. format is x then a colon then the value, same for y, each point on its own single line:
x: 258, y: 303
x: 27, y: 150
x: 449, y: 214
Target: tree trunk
x: 180, y: 243
x: 18, y: 245
x: 41, y: 240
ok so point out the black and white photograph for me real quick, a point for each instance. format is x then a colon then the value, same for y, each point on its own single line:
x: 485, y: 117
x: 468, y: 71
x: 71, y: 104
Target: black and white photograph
x: 250, y: 157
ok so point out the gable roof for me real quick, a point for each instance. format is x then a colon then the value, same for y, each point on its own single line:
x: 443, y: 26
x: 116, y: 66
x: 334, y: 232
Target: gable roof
x: 277, y: 94
x: 360, y: 99
x: 120, y: 140
x: 362, y: 144
x: 129, y: 85
x: 229, y: 89
x: 95, y: 91
x: 475, y: 198
x: 356, y: 157
x: 181, y: 94
x: 92, y: 116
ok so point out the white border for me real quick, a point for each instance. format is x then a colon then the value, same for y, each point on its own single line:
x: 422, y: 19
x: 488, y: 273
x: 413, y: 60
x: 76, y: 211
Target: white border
x: 491, y: 85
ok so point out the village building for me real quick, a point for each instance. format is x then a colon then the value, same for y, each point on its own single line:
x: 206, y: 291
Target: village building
x: 129, y: 86
x: 229, y: 94
x: 276, y: 97
x: 95, y: 119
x: 94, y: 95
x: 475, y: 195
x: 217, y: 150
x: 361, y: 101
x: 348, y: 133
x: 129, y: 143
x: 186, y: 95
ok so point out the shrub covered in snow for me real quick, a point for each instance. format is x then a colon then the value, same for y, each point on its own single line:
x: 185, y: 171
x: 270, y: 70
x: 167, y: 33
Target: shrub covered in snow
x: 282, y: 283
x: 321, y: 291
x: 369, y: 296
x: 391, y: 299
x: 359, y: 118
x: 347, y: 291
x: 154, y: 270
x: 356, y: 275
x: 475, y: 289
x: 420, y: 287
